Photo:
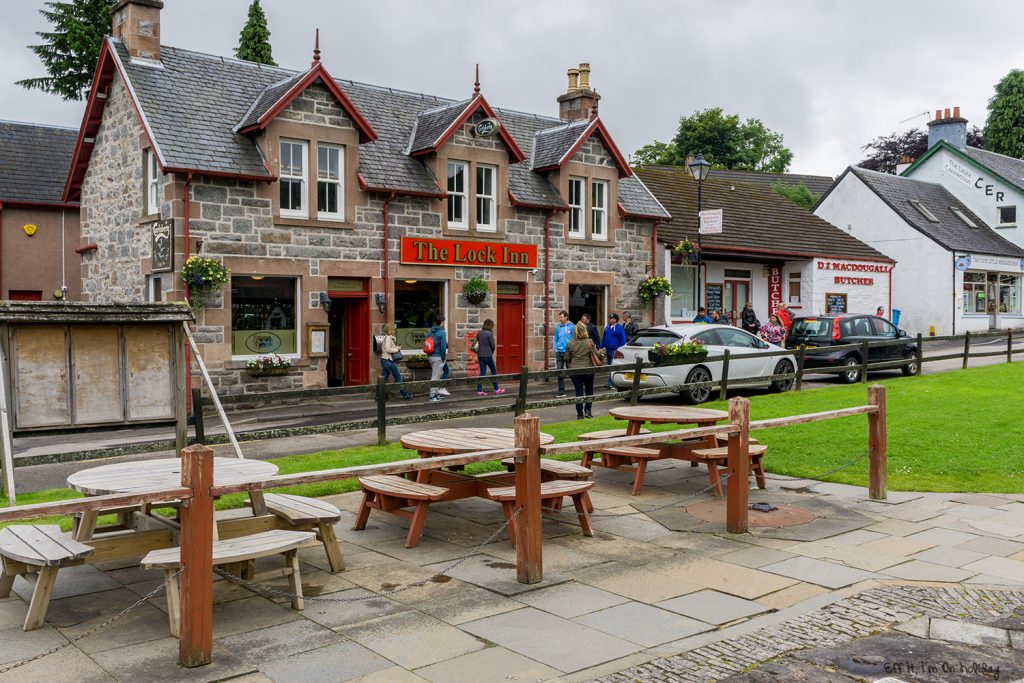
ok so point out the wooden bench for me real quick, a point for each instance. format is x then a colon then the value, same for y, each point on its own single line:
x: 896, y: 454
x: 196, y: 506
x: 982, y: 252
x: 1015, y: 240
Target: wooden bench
x: 717, y: 457
x: 236, y: 554
x: 552, y: 491
x: 607, y: 434
x: 310, y: 514
x: 391, y: 493
x: 36, y: 552
x: 551, y: 470
x: 616, y: 456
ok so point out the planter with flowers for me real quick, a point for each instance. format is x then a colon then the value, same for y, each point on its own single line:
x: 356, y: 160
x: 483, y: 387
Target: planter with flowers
x: 679, y: 353
x: 268, y: 366
x: 475, y: 290
x: 687, y: 250
x: 418, y: 366
x: 204, y: 278
x: 654, y: 287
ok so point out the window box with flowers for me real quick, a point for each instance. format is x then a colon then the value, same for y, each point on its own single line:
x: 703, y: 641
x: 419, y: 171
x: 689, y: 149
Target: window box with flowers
x: 654, y: 287
x: 687, y: 250
x: 268, y: 366
x: 204, y: 278
x: 679, y: 353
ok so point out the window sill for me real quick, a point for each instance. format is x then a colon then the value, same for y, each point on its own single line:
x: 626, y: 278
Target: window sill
x: 149, y: 218
x: 237, y: 362
x: 1006, y: 226
x: 583, y: 242
x: 311, y: 223
x: 468, y: 232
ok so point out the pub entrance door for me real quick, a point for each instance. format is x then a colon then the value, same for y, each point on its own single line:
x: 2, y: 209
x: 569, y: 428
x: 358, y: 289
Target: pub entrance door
x: 348, y: 361
x: 510, y: 328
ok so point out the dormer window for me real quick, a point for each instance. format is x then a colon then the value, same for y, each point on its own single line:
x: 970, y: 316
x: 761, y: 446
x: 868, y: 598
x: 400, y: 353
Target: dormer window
x: 457, y: 218
x: 294, y: 155
x: 486, y: 200
x: 330, y: 203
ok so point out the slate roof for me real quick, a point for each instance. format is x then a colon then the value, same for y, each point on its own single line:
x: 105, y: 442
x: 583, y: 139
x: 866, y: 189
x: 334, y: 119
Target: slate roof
x: 756, y: 219
x: 431, y: 125
x: 270, y: 96
x: 1011, y: 169
x: 34, y: 160
x: 192, y: 102
x: 950, y: 231
x: 551, y: 144
x: 818, y: 184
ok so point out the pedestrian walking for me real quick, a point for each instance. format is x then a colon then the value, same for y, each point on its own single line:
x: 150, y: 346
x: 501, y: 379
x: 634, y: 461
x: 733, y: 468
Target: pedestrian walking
x: 748, y: 319
x: 880, y: 311
x: 784, y: 316
x: 595, y: 336
x: 629, y: 326
x: 702, y: 316
x: 581, y: 353
x: 391, y: 351
x: 772, y: 331
x: 716, y: 318
x: 614, y: 337
x: 485, y: 347
x: 563, y: 335
x: 436, y: 347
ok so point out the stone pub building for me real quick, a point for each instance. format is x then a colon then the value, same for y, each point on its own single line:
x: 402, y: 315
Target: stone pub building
x: 340, y: 206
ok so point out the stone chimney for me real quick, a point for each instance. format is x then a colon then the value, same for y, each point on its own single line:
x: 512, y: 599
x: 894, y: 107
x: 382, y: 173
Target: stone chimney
x: 949, y: 127
x: 137, y: 24
x: 579, y: 101
x: 903, y: 164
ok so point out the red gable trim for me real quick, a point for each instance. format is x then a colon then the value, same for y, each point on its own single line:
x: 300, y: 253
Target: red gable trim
x: 596, y: 126
x: 318, y: 72
x: 478, y: 102
x: 531, y: 205
x: 365, y: 187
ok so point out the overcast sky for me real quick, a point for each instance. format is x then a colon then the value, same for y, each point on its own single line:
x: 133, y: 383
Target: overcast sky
x: 828, y: 75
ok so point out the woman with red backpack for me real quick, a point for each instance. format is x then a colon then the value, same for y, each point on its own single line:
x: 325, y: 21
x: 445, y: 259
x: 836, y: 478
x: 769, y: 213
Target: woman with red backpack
x: 436, y: 348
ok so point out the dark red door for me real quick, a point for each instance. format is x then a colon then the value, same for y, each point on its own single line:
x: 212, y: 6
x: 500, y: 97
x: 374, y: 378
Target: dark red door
x: 25, y: 295
x: 509, y: 333
x: 357, y: 341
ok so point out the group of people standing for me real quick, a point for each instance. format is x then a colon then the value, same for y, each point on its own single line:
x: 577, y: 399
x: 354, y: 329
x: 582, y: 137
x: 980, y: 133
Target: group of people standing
x: 580, y: 345
x: 773, y: 331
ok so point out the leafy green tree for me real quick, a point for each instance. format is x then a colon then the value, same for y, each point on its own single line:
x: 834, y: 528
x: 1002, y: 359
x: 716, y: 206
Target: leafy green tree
x: 254, y: 40
x: 1004, y: 129
x: 70, y: 50
x: 725, y: 140
x: 798, y: 194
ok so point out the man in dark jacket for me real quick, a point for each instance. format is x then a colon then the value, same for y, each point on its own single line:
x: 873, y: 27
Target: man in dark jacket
x: 595, y: 336
x: 614, y: 337
x: 629, y: 325
x: 748, y: 319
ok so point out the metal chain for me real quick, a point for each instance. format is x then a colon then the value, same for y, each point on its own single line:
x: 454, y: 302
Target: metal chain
x: 268, y: 591
x: 93, y: 630
x: 823, y: 474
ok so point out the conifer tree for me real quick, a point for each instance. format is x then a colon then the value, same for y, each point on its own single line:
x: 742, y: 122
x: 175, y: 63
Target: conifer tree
x: 254, y: 40
x: 71, y: 49
x: 1004, y: 129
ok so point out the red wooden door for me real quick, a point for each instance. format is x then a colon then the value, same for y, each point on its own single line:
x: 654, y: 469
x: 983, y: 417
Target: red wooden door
x: 509, y: 334
x: 357, y: 338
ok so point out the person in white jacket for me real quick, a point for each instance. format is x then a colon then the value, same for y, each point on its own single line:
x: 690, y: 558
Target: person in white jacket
x: 388, y: 366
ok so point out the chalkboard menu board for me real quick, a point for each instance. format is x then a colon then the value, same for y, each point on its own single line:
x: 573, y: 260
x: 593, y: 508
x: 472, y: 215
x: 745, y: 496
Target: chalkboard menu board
x: 713, y: 297
x: 835, y: 303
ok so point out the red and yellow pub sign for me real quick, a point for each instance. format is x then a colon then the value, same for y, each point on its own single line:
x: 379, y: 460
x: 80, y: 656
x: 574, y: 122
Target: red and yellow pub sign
x: 425, y: 251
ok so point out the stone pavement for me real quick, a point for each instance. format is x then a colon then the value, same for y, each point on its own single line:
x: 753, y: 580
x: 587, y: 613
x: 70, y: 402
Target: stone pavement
x: 656, y: 595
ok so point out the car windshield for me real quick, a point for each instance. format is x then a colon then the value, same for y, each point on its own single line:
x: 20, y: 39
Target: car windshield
x: 650, y: 337
x: 812, y: 327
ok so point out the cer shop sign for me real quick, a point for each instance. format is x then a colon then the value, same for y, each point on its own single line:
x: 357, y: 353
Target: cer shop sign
x: 440, y: 252
x: 955, y: 169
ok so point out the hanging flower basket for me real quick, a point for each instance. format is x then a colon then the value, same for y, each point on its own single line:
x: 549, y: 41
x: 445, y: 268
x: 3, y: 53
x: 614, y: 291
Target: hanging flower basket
x: 680, y: 353
x: 694, y: 257
x: 204, y: 278
x: 475, y: 290
x: 653, y: 287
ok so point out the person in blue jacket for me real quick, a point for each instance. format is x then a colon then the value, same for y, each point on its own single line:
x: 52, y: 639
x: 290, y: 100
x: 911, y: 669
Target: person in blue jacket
x: 702, y: 316
x: 438, y: 356
x: 614, y: 337
x: 563, y: 335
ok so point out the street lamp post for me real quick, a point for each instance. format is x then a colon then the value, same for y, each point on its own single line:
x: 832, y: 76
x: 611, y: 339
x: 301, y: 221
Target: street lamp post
x: 700, y: 168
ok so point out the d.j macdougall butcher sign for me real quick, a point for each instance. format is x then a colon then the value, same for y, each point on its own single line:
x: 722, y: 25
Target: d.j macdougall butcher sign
x: 855, y: 267
x: 441, y: 252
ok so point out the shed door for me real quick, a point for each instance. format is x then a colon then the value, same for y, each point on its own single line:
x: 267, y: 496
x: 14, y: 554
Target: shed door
x: 96, y: 362
x: 40, y: 360
x: 150, y: 372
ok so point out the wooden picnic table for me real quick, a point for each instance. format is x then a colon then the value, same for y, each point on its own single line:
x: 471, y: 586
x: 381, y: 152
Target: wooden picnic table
x: 638, y: 415
x: 433, y: 442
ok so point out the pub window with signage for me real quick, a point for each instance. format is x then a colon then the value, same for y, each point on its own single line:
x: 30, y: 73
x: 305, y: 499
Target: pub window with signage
x: 262, y: 315
x: 417, y: 304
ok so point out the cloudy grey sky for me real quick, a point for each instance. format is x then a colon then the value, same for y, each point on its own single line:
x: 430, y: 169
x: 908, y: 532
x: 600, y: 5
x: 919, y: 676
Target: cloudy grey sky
x: 828, y: 75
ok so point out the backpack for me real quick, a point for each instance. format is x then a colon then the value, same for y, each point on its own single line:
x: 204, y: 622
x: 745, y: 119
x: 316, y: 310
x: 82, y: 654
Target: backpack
x: 428, y: 344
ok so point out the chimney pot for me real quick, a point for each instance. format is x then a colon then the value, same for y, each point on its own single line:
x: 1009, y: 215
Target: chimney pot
x: 946, y: 114
x: 938, y: 115
x: 579, y: 102
x: 956, y: 112
x: 584, y: 76
x: 574, y: 80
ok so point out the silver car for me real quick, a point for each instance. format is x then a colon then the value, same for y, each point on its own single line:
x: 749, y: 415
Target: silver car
x: 716, y: 338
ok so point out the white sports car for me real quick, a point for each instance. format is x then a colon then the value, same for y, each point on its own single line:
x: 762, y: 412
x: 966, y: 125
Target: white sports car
x: 717, y: 338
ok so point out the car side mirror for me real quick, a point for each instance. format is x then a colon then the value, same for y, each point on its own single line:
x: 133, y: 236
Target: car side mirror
x: 902, y: 333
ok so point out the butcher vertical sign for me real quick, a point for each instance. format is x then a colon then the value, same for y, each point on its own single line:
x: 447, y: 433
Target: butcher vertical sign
x: 774, y: 288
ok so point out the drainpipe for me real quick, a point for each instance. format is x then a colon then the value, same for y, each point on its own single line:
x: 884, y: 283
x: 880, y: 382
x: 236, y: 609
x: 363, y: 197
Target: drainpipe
x: 890, y: 291
x: 547, y: 289
x: 1, y: 248
x: 387, y: 260
x: 188, y: 354
x: 953, y: 312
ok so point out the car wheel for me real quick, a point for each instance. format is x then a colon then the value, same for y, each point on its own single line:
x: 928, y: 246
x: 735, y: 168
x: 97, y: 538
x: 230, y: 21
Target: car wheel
x: 783, y: 368
x: 695, y: 395
x: 851, y: 372
x: 911, y: 367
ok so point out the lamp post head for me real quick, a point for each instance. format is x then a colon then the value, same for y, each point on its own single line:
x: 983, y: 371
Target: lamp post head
x: 700, y: 167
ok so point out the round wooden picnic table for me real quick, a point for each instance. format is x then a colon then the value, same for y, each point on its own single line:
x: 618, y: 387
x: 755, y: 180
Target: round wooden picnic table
x: 638, y: 415
x: 431, y: 442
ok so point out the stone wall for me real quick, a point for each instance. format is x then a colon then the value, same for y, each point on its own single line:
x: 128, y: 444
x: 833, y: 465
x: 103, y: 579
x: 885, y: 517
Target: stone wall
x: 464, y: 135
x: 317, y: 105
x: 593, y: 152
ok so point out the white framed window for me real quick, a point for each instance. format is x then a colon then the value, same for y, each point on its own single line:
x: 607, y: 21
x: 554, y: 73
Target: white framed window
x: 576, y: 206
x: 599, y: 209
x: 1007, y: 215
x: 154, y: 288
x: 330, y: 195
x: 457, y: 172
x: 294, y: 162
x: 152, y: 174
x: 794, y: 288
x: 486, y: 199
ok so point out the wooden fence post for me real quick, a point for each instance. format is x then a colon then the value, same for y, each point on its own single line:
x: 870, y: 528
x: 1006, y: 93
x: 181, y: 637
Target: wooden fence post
x: 196, y: 630
x: 738, y: 486
x: 1009, y: 346
x: 725, y: 376
x: 877, y: 468
x: 197, y: 414
x: 920, y: 353
x: 634, y: 396
x: 529, y: 531
x: 524, y: 378
x: 864, y: 350
x: 800, y: 366
x: 967, y: 347
x: 382, y: 419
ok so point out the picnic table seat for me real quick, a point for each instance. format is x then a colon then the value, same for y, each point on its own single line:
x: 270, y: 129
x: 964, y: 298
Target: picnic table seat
x: 391, y: 493
x: 555, y: 469
x: 607, y: 434
x: 723, y: 440
x: 717, y: 457
x: 552, y: 491
x: 235, y: 553
x: 310, y: 514
x: 36, y: 552
x: 616, y: 456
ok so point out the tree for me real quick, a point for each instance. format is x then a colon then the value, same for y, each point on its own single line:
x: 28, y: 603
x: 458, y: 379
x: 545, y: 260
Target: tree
x: 724, y: 140
x: 254, y: 40
x: 71, y: 49
x: 887, y: 150
x: 798, y: 194
x: 1004, y: 129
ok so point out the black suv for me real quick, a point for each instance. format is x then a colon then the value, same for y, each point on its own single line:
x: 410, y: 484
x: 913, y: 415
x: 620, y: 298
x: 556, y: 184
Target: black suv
x: 819, y: 332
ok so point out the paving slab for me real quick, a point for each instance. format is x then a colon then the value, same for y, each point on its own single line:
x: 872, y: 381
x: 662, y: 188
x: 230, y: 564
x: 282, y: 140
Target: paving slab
x: 56, y: 668
x: 990, y: 580
x: 794, y: 671
x: 71, y: 581
x: 571, y: 599
x: 787, y: 597
x: 557, y: 558
x: 998, y: 566
x: 16, y: 644
x: 454, y: 601
x: 897, y: 527
x: 277, y: 642
x: 857, y: 537
x: 992, y: 546
x: 856, y: 556
x: 395, y: 674
x: 823, y: 573
x: 724, y: 577
x: 915, y: 627
x: 643, y: 624
x: 429, y: 550
x: 973, y: 512
x: 754, y: 556
x: 916, y: 570
x: 496, y: 575
x: 156, y: 662
x: 335, y: 614
x: 413, y: 639
x: 967, y: 633
x: 943, y: 537
x: 819, y: 528
x: 992, y: 527
x: 612, y: 547
x: 341, y: 661
x: 983, y: 499
x: 713, y: 607
x: 551, y: 640
x: 239, y: 616
x: 950, y: 557
x: 636, y: 583
x: 493, y: 665
x: 75, y: 615
x: 708, y: 544
x: 637, y: 527
x: 898, y: 545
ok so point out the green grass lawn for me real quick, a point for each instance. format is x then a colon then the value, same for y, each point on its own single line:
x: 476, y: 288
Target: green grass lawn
x: 953, y: 431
